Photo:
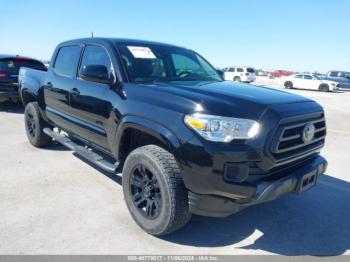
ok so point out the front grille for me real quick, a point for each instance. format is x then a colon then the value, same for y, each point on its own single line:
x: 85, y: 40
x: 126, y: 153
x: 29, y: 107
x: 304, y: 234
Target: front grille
x: 289, y: 140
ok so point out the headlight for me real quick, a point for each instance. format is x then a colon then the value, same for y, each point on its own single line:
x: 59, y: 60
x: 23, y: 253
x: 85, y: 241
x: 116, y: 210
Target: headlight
x: 222, y: 129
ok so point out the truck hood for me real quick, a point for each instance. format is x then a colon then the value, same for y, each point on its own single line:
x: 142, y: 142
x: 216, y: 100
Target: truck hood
x: 219, y: 98
x: 222, y: 98
x: 229, y: 90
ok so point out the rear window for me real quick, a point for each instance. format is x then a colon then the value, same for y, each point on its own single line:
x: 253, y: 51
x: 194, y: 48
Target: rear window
x: 12, y: 65
x: 67, y: 61
x: 250, y: 70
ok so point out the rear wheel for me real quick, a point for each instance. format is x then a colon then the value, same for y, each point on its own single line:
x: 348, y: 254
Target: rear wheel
x: 154, y: 191
x: 237, y: 79
x: 288, y: 84
x: 34, y: 125
x: 324, y: 88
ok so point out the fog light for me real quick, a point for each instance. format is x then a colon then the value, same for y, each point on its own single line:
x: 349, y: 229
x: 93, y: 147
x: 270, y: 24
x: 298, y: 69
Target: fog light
x: 236, y: 173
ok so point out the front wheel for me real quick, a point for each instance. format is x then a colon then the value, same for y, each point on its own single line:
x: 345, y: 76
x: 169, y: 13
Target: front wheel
x: 154, y: 191
x: 237, y: 79
x: 288, y: 84
x: 324, y: 88
x: 35, y: 125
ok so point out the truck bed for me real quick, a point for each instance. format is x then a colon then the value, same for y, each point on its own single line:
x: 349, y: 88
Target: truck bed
x: 32, y: 79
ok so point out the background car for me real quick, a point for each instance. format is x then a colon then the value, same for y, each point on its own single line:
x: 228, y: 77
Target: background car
x: 239, y: 74
x: 261, y: 73
x: 309, y: 81
x: 280, y: 73
x: 342, y: 77
x: 9, y: 68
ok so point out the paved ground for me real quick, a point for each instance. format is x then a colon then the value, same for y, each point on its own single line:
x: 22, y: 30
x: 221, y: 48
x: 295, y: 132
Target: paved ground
x: 53, y: 203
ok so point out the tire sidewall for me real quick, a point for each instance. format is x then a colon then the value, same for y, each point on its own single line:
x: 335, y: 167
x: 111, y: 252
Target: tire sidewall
x: 160, y: 223
x: 29, y: 109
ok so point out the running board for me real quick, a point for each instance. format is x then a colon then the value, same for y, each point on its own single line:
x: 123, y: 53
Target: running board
x: 84, y: 152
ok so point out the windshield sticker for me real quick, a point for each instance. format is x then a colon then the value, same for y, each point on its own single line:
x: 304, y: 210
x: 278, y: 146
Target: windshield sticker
x: 141, y: 52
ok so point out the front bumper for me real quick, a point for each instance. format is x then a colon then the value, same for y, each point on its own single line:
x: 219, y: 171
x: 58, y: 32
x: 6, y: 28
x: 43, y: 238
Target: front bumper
x: 296, y: 182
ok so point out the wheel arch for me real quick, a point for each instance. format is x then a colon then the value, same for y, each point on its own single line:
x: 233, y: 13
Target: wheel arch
x: 134, y: 131
x: 27, y: 96
x: 324, y: 85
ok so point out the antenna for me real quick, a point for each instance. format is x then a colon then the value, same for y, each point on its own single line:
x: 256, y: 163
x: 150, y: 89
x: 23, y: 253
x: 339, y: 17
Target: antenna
x: 92, y: 34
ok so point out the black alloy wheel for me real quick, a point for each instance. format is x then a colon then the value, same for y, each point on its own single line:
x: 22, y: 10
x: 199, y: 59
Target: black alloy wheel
x: 146, y: 194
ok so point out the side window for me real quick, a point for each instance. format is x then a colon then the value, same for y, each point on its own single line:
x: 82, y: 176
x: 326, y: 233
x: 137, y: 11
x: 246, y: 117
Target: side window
x: 307, y: 77
x: 343, y: 74
x: 96, y: 55
x: 240, y: 70
x: 334, y: 74
x: 298, y: 76
x: 232, y: 69
x: 67, y: 61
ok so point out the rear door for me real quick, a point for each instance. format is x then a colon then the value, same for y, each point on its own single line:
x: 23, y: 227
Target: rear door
x: 309, y: 82
x: 60, y: 81
x: 240, y: 73
x: 91, y: 103
x: 298, y: 81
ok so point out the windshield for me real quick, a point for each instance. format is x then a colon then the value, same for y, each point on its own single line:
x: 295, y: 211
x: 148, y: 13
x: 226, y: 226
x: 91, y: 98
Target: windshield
x: 150, y: 63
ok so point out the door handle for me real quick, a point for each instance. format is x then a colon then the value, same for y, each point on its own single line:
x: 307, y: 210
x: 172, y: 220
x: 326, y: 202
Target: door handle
x: 75, y: 92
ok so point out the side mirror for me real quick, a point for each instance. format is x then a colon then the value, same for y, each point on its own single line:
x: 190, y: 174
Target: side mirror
x: 95, y: 73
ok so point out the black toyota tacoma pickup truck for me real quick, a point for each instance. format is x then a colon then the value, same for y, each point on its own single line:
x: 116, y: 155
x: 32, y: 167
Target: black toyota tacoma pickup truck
x: 186, y: 141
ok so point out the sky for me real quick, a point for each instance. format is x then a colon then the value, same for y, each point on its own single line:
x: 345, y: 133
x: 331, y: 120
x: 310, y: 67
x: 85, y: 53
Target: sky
x: 296, y: 35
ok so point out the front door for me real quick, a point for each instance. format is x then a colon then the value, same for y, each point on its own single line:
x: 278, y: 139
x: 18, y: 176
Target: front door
x: 91, y: 103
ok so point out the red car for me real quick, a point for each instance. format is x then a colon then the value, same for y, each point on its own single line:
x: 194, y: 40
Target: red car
x: 280, y: 73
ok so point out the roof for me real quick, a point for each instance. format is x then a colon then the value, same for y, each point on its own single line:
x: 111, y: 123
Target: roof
x: 6, y: 56
x: 116, y: 40
x: 2, y: 56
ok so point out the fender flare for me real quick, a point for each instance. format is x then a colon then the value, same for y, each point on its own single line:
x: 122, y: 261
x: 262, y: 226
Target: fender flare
x: 27, y: 94
x: 158, y: 131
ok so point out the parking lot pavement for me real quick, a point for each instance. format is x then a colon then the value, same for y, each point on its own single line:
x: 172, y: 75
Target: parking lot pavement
x: 51, y: 202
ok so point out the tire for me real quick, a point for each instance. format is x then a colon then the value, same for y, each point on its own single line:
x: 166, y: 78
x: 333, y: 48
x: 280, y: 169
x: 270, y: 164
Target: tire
x: 34, y: 125
x: 324, y: 88
x: 165, y: 209
x: 237, y: 79
x: 288, y: 85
